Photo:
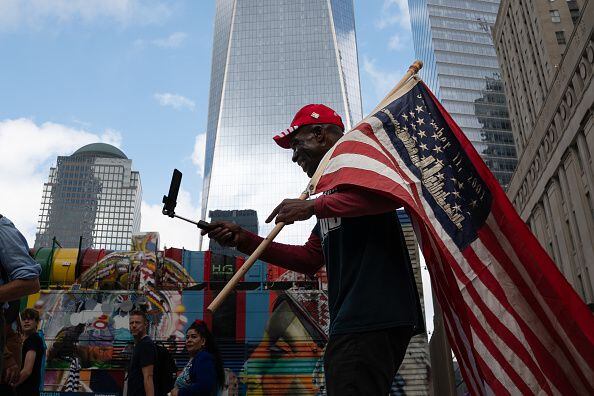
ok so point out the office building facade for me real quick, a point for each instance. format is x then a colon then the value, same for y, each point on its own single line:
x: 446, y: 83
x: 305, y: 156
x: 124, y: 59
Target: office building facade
x: 547, y: 49
x: 246, y: 219
x: 93, y: 194
x: 414, y: 375
x: 453, y: 39
x: 270, y: 58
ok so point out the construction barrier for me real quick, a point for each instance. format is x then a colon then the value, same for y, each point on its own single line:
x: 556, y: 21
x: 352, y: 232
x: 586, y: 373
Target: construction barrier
x: 64, y: 266
x: 43, y: 256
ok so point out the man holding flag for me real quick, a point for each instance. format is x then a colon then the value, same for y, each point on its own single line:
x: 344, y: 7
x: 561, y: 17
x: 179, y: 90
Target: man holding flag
x: 512, y: 319
x: 373, y: 300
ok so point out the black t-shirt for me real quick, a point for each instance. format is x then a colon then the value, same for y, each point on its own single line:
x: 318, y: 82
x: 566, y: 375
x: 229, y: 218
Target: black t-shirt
x: 370, y: 280
x: 143, y: 355
x: 31, y: 385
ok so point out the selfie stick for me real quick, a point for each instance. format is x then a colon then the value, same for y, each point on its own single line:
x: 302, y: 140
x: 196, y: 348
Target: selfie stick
x: 170, y: 201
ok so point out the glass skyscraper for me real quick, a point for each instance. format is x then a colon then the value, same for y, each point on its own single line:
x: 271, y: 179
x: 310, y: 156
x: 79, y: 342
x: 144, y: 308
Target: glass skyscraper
x: 93, y: 193
x: 270, y: 58
x: 453, y: 39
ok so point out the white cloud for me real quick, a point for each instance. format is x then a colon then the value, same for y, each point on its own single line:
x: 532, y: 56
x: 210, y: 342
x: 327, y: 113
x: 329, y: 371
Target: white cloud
x: 381, y: 81
x: 38, y: 13
x: 111, y: 136
x: 394, y: 12
x: 395, y: 42
x: 27, y: 151
x: 178, y: 102
x: 174, y: 232
x: 174, y: 40
x: 199, y: 153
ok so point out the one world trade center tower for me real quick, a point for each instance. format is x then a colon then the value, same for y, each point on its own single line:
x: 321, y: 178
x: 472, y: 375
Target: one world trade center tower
x: 270, y: 58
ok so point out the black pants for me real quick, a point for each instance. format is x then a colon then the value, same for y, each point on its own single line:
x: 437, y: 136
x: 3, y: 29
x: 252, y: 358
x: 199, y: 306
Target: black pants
x: 364, y: 363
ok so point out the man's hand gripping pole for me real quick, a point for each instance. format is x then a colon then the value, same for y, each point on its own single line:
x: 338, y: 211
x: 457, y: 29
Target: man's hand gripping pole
x: 214, y: 305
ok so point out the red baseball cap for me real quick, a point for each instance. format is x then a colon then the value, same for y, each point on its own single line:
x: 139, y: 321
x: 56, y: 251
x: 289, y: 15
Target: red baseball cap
x: 308, y: 115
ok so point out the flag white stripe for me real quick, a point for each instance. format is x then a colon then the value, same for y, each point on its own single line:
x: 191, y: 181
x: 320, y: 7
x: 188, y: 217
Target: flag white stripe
x: 448, y: 311
x: 494, y: 365
x: 530, y: 318
x: 477, y: 382
x: 510, y: 355
x: 506, y: 245
x: 497, y: 309
x: 380, y: 133
x: 363, y: 162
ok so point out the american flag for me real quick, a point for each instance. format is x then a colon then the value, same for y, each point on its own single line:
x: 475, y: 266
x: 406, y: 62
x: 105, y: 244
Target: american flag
x: 515, y: 324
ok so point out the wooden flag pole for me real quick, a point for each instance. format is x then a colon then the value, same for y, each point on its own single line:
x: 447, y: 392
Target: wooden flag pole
x: 412, y: 70
x: 214, y: 305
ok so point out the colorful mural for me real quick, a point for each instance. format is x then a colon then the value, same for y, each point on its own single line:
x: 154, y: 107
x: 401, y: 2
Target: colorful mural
x: 272, y: 340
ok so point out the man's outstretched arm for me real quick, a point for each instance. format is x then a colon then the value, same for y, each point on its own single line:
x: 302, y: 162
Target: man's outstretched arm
x: 306, y: 259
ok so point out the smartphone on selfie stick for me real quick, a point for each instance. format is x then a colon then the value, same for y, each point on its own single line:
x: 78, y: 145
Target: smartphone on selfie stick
x: 170, y: 201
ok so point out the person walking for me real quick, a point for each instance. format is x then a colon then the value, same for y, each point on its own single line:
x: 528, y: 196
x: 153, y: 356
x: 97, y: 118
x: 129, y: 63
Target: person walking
x: 19, y: 277
x: 141, y: 371
x: 373, y: 300
x: 30, y: 379
x: 204, y: 374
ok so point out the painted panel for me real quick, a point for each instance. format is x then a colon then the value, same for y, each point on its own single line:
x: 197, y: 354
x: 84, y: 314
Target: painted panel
x: 270, y: 340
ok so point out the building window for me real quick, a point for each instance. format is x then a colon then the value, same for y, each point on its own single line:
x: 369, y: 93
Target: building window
x: 560, y: 37
x: 574, y: 10
x: 555, y: 17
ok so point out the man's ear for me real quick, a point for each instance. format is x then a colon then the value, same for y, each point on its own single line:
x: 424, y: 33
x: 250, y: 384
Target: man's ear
x: 319, y: 133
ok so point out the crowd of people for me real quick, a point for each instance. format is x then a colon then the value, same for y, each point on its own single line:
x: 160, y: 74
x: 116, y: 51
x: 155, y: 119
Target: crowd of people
x: 203, y: 375
x: 23, y: 348
x: 150, y: 374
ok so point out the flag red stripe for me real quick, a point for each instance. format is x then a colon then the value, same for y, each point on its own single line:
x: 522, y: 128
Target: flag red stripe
x: 354, y: 147
x: 551, y: 364
x: 473, y: 379
x: 490, y: 317
x: 483, y: 370
x: 573, y: 316
x: 505, y: 334
x: 368, y: 131
x: 453, y: 303
x: 490, y: 241
x: 367, y: 178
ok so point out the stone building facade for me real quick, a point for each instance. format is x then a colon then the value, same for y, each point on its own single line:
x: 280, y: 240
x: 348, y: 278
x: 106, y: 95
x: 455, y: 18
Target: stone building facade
x: 546, y: 49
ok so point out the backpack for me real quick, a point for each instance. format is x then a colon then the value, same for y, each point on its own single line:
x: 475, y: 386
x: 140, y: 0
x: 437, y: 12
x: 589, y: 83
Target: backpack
x: 166, y: 371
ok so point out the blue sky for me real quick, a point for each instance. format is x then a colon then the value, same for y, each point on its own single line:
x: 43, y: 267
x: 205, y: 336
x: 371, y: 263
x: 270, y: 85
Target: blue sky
x: 135, y: 73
